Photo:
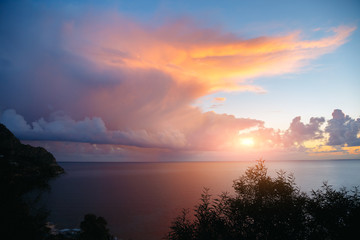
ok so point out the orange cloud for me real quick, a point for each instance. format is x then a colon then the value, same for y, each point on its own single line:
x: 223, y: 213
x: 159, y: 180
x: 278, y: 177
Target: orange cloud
x: 212, y: 59
x: 220, y: 99
x: 162, y: 70
x: 352, y: 150
x: 120, y: 82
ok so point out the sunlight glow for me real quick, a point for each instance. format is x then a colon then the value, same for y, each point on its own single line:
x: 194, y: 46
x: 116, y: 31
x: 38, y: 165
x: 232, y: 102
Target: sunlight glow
x: 247, y: 141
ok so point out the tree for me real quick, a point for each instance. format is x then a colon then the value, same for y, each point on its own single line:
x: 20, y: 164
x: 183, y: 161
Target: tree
x: 271, y: 208
x: 94, y: 228
x: 334, y: 214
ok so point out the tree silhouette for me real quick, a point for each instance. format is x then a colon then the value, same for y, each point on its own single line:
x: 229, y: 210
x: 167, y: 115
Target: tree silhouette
x: 271, y: 208
x: 94, y: 228
x: 334, y: 214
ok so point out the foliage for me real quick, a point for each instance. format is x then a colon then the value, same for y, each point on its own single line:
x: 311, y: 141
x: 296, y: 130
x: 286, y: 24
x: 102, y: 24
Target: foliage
x: 271, y: 208
x: 94, y: 228
x: 334, y: 214
x: 24, y: 175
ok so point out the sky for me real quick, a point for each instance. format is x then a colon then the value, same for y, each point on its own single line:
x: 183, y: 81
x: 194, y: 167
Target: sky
x: 181, y: 80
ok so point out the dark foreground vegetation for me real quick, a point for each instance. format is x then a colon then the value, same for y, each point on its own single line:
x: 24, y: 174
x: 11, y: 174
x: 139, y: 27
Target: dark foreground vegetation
x: 261, y: 208
x: 271, y: 208
x: 91, y: 228
x: 24, y: 175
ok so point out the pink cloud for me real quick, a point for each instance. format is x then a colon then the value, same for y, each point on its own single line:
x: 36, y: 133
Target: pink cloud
x: 209, y: 58
x: 120, y: 82
x: 209, y: 131
x: 220, y: 99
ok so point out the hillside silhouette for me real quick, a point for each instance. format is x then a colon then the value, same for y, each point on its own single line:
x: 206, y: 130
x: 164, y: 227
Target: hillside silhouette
x: 24, y: 175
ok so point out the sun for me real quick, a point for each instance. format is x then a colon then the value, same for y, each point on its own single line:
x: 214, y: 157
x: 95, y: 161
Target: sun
x: 247, y: 142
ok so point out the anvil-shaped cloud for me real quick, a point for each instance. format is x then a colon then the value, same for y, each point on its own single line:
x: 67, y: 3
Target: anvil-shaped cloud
x: 102, y: 78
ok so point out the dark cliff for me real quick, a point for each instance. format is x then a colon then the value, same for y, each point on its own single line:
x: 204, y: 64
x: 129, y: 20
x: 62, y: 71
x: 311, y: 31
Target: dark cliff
x: 23, y: 166
x: 24, y: 175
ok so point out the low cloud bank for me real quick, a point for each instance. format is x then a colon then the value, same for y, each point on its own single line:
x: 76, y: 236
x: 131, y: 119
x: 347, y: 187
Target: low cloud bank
x: 212, y: 132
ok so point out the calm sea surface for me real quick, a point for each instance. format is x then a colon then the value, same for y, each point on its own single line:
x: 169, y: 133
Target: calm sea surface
x: 139, y: 200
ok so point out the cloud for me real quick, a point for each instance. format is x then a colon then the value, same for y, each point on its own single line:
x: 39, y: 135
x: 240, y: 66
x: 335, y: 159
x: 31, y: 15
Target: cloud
x: 291, y: 139
x: 299, y: 132
x: 14, y: 121
x: 266, y: 138
x: 61, y: 128
x: 209, y: 131
x: 88, y: 130
x: 219, y: 99
x: 339, y: 135
x: 342, y: 129
x: 77, y: 55
x: 118, y: 81
x: 210, y: 58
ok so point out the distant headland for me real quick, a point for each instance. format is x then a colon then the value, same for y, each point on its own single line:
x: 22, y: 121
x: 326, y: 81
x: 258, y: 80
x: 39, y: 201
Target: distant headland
x: 23, y: 171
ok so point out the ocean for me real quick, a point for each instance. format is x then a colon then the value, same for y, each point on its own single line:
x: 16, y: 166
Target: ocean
x: 139, y: 200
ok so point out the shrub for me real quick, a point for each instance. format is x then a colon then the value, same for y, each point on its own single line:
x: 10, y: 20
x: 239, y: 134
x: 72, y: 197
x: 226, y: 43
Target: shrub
x: 271, y: 208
